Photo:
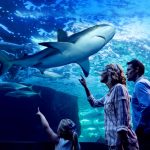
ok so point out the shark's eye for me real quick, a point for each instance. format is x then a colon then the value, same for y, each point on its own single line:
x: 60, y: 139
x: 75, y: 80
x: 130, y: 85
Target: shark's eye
x: 103, y: 25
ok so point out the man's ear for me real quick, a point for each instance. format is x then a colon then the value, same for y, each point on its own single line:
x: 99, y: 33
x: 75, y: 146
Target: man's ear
x: 137, y: 69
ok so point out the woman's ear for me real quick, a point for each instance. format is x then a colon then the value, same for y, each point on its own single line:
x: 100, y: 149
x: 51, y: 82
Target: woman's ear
x: 109, y: 74
x: 109, y: 79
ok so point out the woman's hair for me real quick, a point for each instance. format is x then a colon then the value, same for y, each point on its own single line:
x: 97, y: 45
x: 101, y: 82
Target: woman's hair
x: 116, y: 74
x: 66, y: 127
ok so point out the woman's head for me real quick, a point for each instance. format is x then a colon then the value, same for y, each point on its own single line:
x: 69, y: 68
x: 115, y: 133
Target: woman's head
x: 113, y: 74
x: 66, y: 128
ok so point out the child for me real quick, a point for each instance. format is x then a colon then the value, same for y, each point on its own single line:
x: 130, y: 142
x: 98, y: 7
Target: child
x: 66, y: 137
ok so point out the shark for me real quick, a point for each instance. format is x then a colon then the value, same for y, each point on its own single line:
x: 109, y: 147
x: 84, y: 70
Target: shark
x: 75, y: 48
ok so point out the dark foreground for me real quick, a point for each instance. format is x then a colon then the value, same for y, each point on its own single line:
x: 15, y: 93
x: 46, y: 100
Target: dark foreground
x: 46, y: 146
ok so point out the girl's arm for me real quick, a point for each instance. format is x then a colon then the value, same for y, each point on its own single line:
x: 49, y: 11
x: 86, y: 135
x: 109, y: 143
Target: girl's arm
x: 51, y: 134
x: 76, y: 145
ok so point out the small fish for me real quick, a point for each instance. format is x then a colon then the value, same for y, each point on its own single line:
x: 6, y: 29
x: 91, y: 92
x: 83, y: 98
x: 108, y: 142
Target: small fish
x: 22, y: 93
x: 4, y: 86
x: 90, y: 129
x: 86, y: 122
x: 48, y: 74
x: 51, y: 74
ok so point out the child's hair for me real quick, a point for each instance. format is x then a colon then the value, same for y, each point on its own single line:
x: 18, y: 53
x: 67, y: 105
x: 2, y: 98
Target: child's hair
x: 66, y: 128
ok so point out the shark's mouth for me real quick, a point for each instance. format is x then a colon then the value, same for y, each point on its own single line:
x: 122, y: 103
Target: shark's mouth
x: 102, y: 37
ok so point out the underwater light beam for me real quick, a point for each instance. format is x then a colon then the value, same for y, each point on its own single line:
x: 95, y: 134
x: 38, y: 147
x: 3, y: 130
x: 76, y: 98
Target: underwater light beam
x: 76, y: 48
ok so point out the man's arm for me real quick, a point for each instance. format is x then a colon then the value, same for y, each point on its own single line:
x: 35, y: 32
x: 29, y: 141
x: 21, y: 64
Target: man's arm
x: 143, y: 97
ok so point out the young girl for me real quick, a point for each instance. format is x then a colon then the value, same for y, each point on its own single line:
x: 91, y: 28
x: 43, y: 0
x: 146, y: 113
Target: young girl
x: 66, y: 137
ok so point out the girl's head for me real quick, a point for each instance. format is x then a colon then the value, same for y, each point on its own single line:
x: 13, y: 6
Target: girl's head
x: 66, y: 128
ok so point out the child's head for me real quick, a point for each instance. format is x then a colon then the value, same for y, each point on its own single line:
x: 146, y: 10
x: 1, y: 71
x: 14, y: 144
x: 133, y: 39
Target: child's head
x: 66, y: 128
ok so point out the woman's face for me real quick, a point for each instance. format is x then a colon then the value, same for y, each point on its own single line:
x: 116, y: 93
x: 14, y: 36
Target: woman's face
x: 104, y: 76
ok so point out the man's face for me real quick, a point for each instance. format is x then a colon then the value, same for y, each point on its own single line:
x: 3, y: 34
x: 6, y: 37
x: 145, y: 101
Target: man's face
x: 104, y: 76
x: 131, y: 73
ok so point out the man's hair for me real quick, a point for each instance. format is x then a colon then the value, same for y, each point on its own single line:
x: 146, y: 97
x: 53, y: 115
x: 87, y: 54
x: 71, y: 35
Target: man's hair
x: 117, y: 74
x: 136, y: 63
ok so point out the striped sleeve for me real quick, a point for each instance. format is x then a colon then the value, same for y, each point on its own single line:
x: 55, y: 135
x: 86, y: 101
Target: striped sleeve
x: 122, y: 108
x: 96, y: 102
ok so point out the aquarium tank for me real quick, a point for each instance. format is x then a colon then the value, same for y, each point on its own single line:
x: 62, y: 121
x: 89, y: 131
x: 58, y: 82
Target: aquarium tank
x: 26, y: 23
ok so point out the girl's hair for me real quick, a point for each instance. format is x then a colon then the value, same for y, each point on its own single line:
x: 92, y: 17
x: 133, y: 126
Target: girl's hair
x: 116, y: 74
x: 66, y: 127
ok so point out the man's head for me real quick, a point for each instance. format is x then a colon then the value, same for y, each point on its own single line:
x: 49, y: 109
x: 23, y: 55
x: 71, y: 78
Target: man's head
x: 135, y: 69
x: 113, y: 73
x: 66, y: 128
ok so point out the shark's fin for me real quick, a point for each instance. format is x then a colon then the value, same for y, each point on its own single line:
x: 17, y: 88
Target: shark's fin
x: 85, y: 65
x: 30, y: 87
x: 41, y: 70
x: 61, y: 46
x: 61, y: 35
x: 46, y: 44
x: 75, y: 37
x: 5, y: 63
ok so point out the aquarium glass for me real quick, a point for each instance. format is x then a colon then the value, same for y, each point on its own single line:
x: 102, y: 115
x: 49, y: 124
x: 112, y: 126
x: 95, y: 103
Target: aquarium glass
x: 31, y: 22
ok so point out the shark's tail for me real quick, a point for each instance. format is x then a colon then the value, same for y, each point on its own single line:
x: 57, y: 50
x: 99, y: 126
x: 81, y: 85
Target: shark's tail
x: 5, y: 63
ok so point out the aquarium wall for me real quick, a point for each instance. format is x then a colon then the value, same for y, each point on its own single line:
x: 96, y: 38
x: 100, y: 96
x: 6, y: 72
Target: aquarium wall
x: 24, y: 24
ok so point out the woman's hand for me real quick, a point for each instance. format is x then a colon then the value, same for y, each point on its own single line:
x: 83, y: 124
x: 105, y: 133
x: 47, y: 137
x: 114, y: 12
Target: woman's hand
x: 83, y: 81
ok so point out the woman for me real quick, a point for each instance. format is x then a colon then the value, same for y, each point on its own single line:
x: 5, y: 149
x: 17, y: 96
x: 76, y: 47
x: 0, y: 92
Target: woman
x: 118, y: 132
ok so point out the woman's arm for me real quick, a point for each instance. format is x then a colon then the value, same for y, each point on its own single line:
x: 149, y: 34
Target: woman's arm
x: 93, y: 102
x: 83, y: 83
x: 122, y: 106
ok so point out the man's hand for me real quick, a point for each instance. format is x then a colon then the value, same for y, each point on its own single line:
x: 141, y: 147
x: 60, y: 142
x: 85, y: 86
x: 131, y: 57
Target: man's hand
x: 139, y: 131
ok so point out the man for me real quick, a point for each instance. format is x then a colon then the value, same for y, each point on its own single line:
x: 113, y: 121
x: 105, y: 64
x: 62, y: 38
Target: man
x: 140, y: 102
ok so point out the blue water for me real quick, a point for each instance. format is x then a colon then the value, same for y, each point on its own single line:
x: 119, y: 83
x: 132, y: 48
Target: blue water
x: 23, y: 21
